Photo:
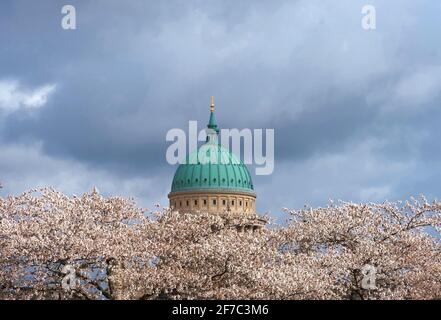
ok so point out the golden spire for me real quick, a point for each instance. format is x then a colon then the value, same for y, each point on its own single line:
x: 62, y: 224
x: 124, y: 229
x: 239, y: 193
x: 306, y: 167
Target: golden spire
x: 212, y: 104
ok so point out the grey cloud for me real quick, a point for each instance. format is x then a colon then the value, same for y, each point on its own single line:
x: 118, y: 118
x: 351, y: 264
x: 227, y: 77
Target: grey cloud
x: 133, y: 70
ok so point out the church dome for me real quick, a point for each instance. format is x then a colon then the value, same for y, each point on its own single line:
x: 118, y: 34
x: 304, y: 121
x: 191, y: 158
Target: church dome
x: 212, y: 167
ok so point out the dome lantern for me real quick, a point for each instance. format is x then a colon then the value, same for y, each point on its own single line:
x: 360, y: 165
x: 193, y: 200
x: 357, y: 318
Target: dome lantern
x: 212, y: 122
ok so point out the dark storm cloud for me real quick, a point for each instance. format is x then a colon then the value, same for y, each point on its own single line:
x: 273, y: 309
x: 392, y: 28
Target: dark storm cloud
x: 342, y: 100
x: 324, y: 129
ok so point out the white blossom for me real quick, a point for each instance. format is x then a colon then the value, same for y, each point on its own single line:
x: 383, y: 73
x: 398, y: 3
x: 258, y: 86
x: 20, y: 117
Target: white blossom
x: 121, y: 252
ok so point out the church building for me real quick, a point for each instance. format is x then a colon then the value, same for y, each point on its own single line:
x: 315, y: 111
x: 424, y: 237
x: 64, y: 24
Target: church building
x: 214, y: 180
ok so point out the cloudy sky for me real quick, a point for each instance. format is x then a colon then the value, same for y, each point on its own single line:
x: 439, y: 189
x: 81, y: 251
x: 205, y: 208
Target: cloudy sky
x: 356, y: 113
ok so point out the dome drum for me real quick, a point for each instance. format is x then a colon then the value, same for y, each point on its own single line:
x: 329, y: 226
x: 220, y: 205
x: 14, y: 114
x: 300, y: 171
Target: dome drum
x: 215, y: 201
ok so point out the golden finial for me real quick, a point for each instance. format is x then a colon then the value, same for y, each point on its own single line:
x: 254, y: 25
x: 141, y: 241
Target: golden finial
x: 212, y: 104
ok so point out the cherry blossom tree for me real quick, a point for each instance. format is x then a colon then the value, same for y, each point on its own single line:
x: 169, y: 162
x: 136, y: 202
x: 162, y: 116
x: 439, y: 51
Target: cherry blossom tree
x: 53, y: 246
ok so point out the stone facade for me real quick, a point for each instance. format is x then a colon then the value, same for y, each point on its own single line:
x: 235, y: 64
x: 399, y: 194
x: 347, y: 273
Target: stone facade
x: 237, y: 208
x: 213, y: 201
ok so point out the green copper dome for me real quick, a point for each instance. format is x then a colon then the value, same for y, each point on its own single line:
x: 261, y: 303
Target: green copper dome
x: 212, y: 167
x: 220, y: 171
